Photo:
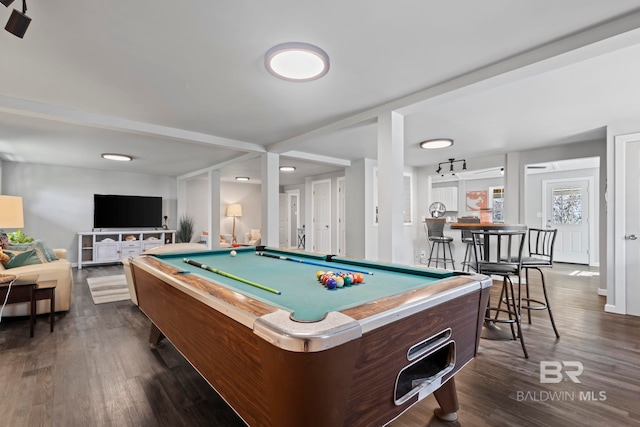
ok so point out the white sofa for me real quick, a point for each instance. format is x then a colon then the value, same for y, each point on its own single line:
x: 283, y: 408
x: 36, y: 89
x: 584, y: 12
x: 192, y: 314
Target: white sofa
x: 55, y: 273
x: 164, y: 249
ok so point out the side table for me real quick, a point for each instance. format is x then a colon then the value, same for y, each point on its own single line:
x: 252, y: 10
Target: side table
x: 25, y: 289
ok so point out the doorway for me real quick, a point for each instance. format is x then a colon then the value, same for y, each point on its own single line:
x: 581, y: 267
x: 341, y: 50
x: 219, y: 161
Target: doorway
x: 321, y: 221
x: 566, y: 207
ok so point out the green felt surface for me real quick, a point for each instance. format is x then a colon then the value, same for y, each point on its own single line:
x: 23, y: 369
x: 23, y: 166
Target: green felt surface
x: 301, y: 293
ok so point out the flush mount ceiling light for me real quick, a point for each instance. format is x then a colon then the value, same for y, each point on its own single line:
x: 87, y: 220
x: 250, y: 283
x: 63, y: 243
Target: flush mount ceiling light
x: 18, y: 22
x: 242, y: 178
x: 433, y: 144
x: 298, y: 62
x: 287, y: 168
x: 117, y: 157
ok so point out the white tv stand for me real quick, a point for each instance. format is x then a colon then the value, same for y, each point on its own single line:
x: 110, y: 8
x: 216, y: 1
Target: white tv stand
x: 106, y: 247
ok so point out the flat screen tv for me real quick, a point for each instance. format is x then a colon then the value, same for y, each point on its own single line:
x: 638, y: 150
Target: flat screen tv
x: 115, y: 211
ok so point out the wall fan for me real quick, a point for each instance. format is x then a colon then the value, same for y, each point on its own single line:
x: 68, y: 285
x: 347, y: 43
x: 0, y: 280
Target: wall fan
x: 437, y: 209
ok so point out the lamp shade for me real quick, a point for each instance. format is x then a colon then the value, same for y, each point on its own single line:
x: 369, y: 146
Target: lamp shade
x: 234, y: 209
x: 11, y: 215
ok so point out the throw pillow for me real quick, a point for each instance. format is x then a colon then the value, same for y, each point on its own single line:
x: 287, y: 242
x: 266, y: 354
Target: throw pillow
x: 255, y: 234
x: 222, y: 239
x: 20, y: 258
x: 48, y: 253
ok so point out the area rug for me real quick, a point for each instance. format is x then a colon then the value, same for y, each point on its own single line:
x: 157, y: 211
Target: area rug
x: 108, y: 288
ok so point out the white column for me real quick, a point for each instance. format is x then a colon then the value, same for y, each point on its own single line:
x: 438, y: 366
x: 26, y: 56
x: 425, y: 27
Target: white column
x: 270, y: 199
x: 513, y: 189
x: 390, y: 187
x: 214, y: 209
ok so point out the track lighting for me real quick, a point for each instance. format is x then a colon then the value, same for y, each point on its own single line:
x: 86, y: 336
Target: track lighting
x: 451, y: 162
x: 18, y: 22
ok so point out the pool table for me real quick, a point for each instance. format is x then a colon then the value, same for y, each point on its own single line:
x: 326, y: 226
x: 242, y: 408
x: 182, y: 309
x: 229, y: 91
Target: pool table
x: 301, y: 354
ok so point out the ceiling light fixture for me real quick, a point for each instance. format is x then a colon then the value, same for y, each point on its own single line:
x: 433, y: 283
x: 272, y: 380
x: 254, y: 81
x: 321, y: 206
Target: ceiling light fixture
x: 18, y: 22
x: 117, y: 157
x: 434, y: 144
x: 451, y: 162
x: 242, y: 178
x: 287, y: 168
x: 297, y: 62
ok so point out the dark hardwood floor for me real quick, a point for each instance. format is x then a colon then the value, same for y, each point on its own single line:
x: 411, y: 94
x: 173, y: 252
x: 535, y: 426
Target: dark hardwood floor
x: 96, y: 369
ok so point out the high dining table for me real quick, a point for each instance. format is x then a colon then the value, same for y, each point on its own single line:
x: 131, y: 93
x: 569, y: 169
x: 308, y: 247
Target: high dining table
x: 490, y: 330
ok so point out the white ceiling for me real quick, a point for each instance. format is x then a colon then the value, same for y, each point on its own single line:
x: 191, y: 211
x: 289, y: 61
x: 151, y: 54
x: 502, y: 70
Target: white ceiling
x: 182, y: 86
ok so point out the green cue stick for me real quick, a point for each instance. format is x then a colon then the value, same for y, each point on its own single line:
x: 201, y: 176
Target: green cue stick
x: 303, y: 261
x: 231, y: 276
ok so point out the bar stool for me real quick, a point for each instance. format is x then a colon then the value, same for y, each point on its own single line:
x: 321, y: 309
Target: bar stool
x: 435, y: 235
x: 499, y: 253
x: 467, y: 239
x: 541, y: 244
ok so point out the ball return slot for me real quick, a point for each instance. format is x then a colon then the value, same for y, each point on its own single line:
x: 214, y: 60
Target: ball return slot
x: 424, y: 376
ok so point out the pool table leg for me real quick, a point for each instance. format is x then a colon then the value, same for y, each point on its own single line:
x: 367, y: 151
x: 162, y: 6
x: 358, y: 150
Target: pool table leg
x: 155, y: 336
x: 447, y: 398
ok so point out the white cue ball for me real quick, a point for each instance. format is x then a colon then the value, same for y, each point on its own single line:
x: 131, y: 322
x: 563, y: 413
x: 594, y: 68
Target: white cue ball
x: 233, y: 253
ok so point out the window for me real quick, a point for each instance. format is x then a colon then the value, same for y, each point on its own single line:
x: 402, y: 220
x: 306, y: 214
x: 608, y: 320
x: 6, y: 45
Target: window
x: 567, y: 206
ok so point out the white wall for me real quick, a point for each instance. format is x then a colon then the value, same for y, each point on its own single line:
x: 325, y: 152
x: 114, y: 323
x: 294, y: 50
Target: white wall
x: 58, y: 201
x: 249, y: 196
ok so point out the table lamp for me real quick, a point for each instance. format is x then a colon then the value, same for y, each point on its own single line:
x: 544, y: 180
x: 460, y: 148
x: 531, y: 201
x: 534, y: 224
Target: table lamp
x: 10, y: 213
x: 234, y: 210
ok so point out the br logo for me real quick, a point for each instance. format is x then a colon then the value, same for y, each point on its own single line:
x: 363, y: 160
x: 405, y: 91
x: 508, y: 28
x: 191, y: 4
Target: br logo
x: 552, y: 371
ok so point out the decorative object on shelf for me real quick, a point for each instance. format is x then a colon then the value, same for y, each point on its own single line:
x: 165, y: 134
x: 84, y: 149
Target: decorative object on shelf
x: 451, y: 162
x: 165, y: 223
x: 437, y: 209
x: 234, y: 210
x: 185, y: 229
x: 130, y: 238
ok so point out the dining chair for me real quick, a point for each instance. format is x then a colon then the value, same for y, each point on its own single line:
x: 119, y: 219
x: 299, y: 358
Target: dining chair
x: 499, y: 253
x: 467, y: 239
x: 437, y: 239
x: 541, y: 246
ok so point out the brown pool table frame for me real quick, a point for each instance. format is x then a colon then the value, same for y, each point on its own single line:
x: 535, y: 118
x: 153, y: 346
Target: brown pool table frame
x: 351, y: 383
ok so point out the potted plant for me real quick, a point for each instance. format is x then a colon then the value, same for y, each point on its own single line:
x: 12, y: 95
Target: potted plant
x: 185, y: 229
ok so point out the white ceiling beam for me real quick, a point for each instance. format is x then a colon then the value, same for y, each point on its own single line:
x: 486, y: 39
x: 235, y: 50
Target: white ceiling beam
x: 218, y: 166
x: 58, y: 113
x: 317, y: 158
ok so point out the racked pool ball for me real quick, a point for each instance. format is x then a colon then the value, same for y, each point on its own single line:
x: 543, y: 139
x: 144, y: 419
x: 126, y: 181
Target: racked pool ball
x: 319, y: 274
x: 331, y: 283
x: 339, y: 282
x: 348, y: 280
x: 359, y: 278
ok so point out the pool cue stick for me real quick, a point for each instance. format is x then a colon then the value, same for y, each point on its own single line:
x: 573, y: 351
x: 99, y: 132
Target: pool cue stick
x: 231, y: 276
x: 304, y: 261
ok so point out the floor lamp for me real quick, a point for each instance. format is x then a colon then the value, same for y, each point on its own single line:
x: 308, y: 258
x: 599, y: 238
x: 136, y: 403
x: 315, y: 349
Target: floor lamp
x: 11, y: 215
x: 234, y: 210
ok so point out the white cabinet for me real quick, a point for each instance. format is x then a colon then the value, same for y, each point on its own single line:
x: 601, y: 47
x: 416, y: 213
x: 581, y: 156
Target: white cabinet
x: 446, y: 195
x: 104, y: 247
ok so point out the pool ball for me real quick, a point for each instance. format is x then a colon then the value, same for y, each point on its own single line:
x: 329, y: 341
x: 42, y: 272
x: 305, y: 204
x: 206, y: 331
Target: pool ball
x: 331, y: 283
x: 233, y: 253
x: 339, y: 282
x: 359, y: 278
x: 348, y: 280
x: 319, y: 273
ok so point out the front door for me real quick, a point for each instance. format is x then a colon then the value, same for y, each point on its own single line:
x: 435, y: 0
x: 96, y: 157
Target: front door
x: 567, y: 209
